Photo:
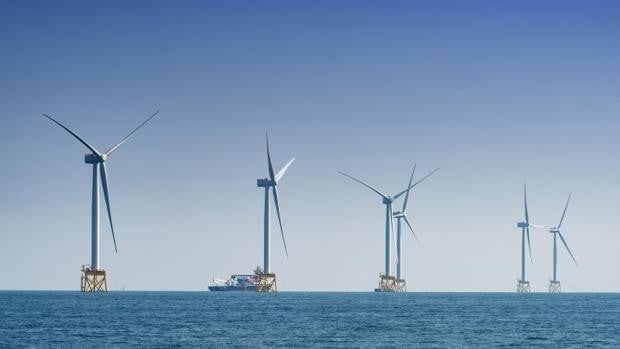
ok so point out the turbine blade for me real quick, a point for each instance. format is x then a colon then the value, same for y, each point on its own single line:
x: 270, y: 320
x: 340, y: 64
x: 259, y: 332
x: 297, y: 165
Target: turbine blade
x: 538, y: 226
x: 411, y: 228
x: 564, y: 213
x: 568, y: 249
x: 393, y: 232
x: 277, y: 202
x: 104, y: 182
x: 416, y: 183
x: 283, y: 170
x: 364, y: 184
x: 406, y: 200
x: 73, y: 134
x: 111, y: 150
x: 527, y: 216
x: 529, y: 246
x: 269, y: 164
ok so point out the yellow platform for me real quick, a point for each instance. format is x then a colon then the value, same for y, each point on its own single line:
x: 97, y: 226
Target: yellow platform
x: 93, y: 280
x: 555, y: 287
x: 388, y: 283
x: 266, y: 282
x: 523, y: 286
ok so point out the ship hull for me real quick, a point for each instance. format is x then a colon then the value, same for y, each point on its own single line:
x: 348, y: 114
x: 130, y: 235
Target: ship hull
x: 219, y: 288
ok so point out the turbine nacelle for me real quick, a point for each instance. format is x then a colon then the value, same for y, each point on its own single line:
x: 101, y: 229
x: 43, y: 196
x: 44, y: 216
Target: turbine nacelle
x: 265, y: 182
x: 554, y: 230
x: 398, y: 214
x: 387, y: 200
x: 94, y: 158
x: 522, y: 225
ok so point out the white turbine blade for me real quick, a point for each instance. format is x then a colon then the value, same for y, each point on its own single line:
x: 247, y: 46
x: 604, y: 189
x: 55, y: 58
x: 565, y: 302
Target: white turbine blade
x: 568, y: 249
x: 283, y: 170
x: 416, y: 183
x: 269, y: 164
x: 527, y: 216
x: 539, y: 226
x: 73, y: 134
x: 406, y: 200
x: 277, y: 202
x: 104, y: 182
x: 393, y: 232
x: 111, y: 150
x: 564, y: 213
x: 529, y: 246
x: 411, y: 228
x: 364, y: 184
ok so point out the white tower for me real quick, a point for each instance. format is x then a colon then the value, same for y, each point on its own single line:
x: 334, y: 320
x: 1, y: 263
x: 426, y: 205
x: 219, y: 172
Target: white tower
x: 554, y: 283
x: 267, y: 279
x: 387, y: 282
x: 93, y: 277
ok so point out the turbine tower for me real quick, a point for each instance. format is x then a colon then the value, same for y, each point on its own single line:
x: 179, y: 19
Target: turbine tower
x: 93, y: 277
x: 400, y: 216
x: 267, y: 279
x: 387, y: 282
x: 554, y: 284
x: 523, y: 286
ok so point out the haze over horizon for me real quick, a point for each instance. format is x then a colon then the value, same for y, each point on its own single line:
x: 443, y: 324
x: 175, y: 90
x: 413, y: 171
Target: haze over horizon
x: 498, y: 94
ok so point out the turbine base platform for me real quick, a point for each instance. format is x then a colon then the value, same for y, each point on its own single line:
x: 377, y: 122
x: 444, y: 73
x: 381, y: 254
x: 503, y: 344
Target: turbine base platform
x: 555, y: 287
x: 523, y: 286
x: 266, y: 282
x: 387, y: 283
x: 93, y: 280
x: 401, y: 285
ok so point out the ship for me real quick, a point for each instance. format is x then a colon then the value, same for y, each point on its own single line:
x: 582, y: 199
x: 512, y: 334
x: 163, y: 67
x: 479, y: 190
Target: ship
x: 237, y: 282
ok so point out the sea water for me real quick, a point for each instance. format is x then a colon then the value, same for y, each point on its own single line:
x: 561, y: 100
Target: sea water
x: 306, y: 319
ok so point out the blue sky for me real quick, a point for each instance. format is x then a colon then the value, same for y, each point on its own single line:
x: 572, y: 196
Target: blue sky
x: 497, y: 93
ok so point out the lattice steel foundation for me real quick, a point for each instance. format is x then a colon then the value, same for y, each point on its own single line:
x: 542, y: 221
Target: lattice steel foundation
x: 266, y: 282
x: 555, y: 287
x: 523, y: 286
x: 93, y: 280
x: 387, y: 283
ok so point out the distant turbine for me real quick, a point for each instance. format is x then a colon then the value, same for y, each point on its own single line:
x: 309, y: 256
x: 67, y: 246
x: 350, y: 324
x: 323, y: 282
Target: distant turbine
x: 523, y: 285
x: 271, y: 182
x: 98, y: 159
x: 389, y: 223
x: 554, y: 284
x: 402, y: 215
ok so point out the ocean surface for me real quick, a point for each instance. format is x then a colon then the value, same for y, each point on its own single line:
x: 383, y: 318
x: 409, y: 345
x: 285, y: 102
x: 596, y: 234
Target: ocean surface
x: 300, y: 319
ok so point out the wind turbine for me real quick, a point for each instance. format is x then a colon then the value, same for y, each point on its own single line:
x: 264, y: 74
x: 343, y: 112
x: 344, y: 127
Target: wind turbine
x: 98, y: 159
x: 271, y: 183
x: 400, y: 216
x: 523, y: 286
x: 554, y: 284
x: 389, y: 223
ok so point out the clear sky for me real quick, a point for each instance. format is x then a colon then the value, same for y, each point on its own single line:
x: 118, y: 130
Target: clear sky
x: 496, y: 92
